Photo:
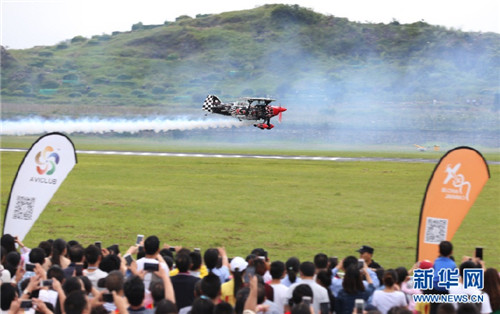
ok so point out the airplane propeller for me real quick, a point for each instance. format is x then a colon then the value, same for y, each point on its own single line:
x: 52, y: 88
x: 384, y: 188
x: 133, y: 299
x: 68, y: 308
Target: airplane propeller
x: 280, y: 116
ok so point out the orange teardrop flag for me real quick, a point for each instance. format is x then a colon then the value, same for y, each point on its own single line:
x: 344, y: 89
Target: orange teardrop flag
x: 453, y: 187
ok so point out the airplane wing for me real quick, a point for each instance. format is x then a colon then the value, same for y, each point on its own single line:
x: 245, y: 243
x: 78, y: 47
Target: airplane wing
x: 261, y: 101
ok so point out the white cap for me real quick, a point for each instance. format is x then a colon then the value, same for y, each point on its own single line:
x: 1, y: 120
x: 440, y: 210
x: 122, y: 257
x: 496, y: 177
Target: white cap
x: 238, y: 263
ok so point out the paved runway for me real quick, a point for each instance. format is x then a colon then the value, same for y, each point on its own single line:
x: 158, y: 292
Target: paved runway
x: 250, y: 156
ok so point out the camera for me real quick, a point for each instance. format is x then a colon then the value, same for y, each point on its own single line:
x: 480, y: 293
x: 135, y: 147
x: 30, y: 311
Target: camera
x: 361, y: 263
x: 46, y: 283
x: 30, y: 267
x: 98, y: 244
x: 306, y: 299
x: 151, y: 266
x: 479, y: 253
x: 79, y: 270
x: 359, y: 305
x: 197, y: 249
x: 26, y: 304
x: 334, y: 261
x: 114, y: 249
x: 172, y: 249
x: 107, y: 297
x: 249, y: 273
x: 129, y: 259
x: 139, y: 239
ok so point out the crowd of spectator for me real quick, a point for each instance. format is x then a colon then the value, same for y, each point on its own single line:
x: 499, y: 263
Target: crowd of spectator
x: 68, y: 277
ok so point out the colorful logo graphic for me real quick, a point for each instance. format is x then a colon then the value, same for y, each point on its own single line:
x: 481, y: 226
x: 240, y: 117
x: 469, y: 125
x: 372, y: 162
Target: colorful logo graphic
x: 46, y: 160
x: 458, y: 181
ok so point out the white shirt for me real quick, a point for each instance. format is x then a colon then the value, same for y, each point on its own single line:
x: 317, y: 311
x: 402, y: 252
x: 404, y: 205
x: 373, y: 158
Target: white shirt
x: 280, y: 291
x: 147, y: 278
x: 320, y: 294
x: 485, y: 306
x: 384, y: 301
x: 94, y: 276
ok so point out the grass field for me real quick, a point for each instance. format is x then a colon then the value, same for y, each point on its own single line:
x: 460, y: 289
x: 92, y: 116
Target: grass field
x: 289, y: 207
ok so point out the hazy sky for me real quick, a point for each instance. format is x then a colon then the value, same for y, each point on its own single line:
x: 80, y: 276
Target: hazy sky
x: 28, y: 23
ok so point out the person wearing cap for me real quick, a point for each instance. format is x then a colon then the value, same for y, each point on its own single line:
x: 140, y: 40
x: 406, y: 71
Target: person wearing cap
x: 366, y: 253
x: 237, y: 266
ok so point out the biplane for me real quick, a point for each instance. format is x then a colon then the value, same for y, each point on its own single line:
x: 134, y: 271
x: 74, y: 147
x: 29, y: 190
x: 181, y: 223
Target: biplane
x: 248, y: 108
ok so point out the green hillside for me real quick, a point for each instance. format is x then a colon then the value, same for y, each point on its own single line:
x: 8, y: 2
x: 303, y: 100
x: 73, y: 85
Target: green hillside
x: 276, y: 50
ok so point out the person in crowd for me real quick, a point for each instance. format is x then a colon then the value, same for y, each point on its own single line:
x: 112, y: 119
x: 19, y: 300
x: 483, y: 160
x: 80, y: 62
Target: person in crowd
x: 261, y: 269
x: 399, y: 310
x: 206, y: 288
x: 353, y: 288
x: 485, y: 306
x: 446, y: 308
x: 346, y: 263
x: 321, y: 302
x: 11, y: 263
x: 263, y: 255
x: 229, y: 289
x: 76, y: 303
x: 36, y: 260
x: 217, y: 263
x: 8, y: 243
x: 223, y: 308
x: 58, y: 257
x: 299, y: 295
x: 166, y: 307
x: 321, y: 262
x: 76, y: 256
x: 262, y: 292
x: 197, y: 268
x: 46, y: 246
x: 492, y: 288
x: 366, y: 253
x: 443, y: 261
x: 114, y: 282
x: 183, y: 283
x: 292, y: 269
x: 197, y: 293
x: 93, y: 257
x: 407, y: 287
x: 210, y: 287
x: 110, y: 262
x: 9, y: 294
x: 279, y: 290
x: 202, y: 305
x: 157, y: 290
x: 467, y: 308
x: 301, y: 308
x: 324, y: 279
x: 134, y: 292
x: 402, y: 274
x: 390, y: 296
x: 152, y: 256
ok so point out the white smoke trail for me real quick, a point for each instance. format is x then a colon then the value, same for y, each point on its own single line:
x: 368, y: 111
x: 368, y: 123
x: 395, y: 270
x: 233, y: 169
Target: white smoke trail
x: 39, y: 125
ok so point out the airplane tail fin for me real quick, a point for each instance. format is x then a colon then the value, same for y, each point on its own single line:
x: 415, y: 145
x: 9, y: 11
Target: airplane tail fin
x: 211, y: 101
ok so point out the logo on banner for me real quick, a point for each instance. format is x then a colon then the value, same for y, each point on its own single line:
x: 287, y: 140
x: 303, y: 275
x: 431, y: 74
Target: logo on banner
x: 46, y: 161
x: 460, y: 187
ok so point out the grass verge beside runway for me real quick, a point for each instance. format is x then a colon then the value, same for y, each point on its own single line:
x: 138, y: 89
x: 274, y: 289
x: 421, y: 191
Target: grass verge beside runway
x: 289, y: 207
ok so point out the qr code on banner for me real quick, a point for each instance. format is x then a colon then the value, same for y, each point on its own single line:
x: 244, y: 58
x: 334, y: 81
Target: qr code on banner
x: 24, y: 208
x: 435, y: 230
